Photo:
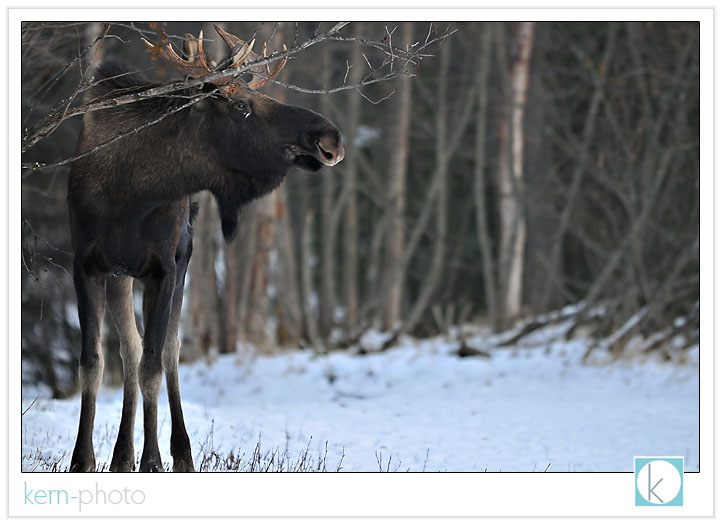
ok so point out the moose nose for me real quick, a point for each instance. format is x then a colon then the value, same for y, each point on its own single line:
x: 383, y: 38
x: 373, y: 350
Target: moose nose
x: 331, y: 149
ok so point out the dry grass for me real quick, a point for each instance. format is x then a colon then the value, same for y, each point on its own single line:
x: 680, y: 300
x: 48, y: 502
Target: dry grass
x: 209, y: 459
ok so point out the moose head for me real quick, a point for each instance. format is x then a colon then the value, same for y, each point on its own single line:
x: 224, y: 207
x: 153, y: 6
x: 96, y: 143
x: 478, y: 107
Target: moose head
x: 255, y: 138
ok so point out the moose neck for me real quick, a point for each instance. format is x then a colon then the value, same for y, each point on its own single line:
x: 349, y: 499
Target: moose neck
x: 182, y: 161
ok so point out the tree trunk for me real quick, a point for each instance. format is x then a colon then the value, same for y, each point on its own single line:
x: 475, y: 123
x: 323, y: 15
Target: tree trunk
x: 229, y: 302
x: 247, y: 231
x: 350, y: 226
x: 511, y: 182
x: 200, y: 330
x: 541, y: 215
x: 487, y: 257
x: 397, y: 185
x: 329, y: 226
x: 285, y: 278
x: 286, y: 281
x: 259, y: 305
x: 307, y: 284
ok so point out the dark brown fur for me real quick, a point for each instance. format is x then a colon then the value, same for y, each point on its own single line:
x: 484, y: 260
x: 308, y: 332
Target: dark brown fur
x: 130, y: 217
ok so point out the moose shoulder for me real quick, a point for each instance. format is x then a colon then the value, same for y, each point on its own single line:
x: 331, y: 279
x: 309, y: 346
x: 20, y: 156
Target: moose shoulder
x: 130, y: 217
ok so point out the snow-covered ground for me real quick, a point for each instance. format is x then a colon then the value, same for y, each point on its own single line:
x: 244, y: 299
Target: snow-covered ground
x: 533, y: 407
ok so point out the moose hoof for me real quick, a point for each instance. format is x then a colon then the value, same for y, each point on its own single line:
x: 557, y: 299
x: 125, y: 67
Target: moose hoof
x: 78, y: 467
x: 122, y: 465
x: 83, y: 466
x: 151, y: 463
x: 123, y: 458
x: 183, y: 465
x: 82, y: 461
x: 151, y: 467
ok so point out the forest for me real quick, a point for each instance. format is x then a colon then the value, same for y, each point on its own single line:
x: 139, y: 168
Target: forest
x: 494, y: 173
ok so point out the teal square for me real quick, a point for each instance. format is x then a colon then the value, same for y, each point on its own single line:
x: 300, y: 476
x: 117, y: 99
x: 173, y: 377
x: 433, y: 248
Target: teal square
x: 659, y: 481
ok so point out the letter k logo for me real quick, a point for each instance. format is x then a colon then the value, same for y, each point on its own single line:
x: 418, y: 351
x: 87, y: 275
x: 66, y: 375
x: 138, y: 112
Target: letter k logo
x: 649, y: 484
x: 658, y: 481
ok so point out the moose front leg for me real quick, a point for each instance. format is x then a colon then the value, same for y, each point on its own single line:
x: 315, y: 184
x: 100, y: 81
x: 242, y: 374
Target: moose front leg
x: 180, y: 445
x: 89, y: 288
x: 157, y: 301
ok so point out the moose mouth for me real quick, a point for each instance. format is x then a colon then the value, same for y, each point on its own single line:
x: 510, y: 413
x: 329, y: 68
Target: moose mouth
x: 306, y: 162
x: 319, y: 157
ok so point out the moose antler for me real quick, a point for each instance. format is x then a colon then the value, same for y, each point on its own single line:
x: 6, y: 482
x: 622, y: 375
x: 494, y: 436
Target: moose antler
x: 258, y: 82
x: 239, y: 47
x: 196, y: 66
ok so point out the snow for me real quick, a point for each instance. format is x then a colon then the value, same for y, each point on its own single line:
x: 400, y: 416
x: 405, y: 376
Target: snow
x: 532, y: 407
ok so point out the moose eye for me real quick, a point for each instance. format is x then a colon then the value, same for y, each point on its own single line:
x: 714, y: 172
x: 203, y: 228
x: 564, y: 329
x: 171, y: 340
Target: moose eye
x: 243, y: 109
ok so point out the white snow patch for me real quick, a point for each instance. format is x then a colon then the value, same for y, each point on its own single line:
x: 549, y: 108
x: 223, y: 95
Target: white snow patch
x: 530, y: 407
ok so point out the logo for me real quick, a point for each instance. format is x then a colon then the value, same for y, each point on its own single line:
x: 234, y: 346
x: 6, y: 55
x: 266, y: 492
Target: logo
x: 658, y: 481
x: 46, y: 496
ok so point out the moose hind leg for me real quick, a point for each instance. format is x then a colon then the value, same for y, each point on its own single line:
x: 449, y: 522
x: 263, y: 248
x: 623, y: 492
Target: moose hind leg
x: 157, y: 300
x: 119, y: 298
x: 180, y: 446
x: 89, y: 289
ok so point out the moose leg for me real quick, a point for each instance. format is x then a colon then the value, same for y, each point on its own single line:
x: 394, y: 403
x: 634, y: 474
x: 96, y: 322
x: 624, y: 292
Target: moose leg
x: 180, y: 446
x: 91, y: 307
x: 157, y: 300
x: 119, y: 297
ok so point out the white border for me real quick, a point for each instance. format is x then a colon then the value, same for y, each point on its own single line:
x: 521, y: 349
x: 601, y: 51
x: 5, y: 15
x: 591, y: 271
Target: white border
x: 372, y: 494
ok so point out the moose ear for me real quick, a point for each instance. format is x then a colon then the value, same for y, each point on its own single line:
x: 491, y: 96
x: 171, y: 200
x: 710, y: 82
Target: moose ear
x: 204, y: 103
x: 201, y: 105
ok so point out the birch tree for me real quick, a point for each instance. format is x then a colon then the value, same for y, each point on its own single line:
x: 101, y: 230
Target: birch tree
x: 511, y: 176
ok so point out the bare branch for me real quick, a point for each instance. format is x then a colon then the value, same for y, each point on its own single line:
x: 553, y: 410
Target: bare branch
x: 52, y: 81
x: 65, y: 110
x: 57, y: 116
x: 379, y: 100
x: 39, y: 166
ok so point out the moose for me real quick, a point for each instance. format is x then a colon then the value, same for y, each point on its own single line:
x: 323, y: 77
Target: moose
x: 131, y: 216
